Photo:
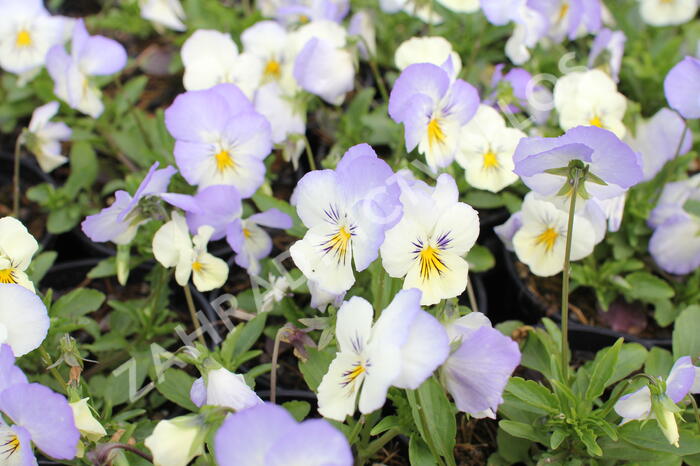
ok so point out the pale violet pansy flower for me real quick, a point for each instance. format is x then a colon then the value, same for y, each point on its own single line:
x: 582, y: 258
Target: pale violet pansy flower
x: 90, y: 56
x: 477, y: 372
x: 641, y: 405
x: 402, y: 349
x: 531, y: 25
x: 120, y: 221
x: 267, y: 434
x: 173, y: 247
x: 168, y: 13
x: 219, y: 138
x: 347, y: 211
x: 27, y: 32
x: 682, y: 85
x: 362, y: 26
x: 309, y: 11
x: 221, y: 387
x: 590, y: 98
x: 432, y: 108
x: 667, y: 12
x: 540, y: 242
x: 211, y: 57
x: 250, y: 242
x: 24, y: 320
x: 612, y: 42
x: 486, y: 148
x: 44, y: 137
x: 427, y: 247
x: 17, y: 246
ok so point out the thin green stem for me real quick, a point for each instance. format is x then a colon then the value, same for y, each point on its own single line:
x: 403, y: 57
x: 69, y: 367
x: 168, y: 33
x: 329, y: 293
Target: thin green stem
x: 565, y: 281
x: 309, y: 154
x: 275, y: 356
x: 378, y: 78
x: 356, y: 429
x: 426, y: 430
x: 46, y: 359
x: 472, y: 296
x: 376, y: 445
x: 193, y: 314
x: 15, y: 180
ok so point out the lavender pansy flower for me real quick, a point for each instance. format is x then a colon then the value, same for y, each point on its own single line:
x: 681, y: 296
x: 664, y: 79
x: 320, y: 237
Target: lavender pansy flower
x: 220, y: 138
x: 10, y: 374
x: 530, y: 25
x: 120, y: 221
x: 675, y: 243
x: 90, y: 56
x: 612, y: 42
x: 682, y: 87
x: 433, y: 110
x: 39, y: 416
x: 402, y: 349
x: 658, y: 140
x: 24, y: 320
x: 223, y: 388
x: 250, y: 242
x: 478, y: 371
x: 569, y: 18
x: 27, y: 32
x: 614, y: 166
x: 347, y: 211
x: 641, y: 405
x: 306, y: 11
x: 268, y: 435
x: 217, y: 206
x: 519, y: 86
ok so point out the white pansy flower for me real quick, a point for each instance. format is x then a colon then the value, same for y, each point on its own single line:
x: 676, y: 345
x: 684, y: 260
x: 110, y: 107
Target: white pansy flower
x: 168, y: 13
x: 17, y: 246
x: 45, y: 137
x: 667, y: 12
x: 436, y: 50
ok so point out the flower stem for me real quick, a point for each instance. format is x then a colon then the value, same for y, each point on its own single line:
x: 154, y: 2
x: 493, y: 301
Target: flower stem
x: 15, y: 180
x: 376, y: 445
x: 309, y: 154
x: 46, y: 359
x: 472, y: 297
x: 565, y: 280
x: 193, y: 314
x: 359, y: 424
x: 424, y: 424
x: 275, y: 356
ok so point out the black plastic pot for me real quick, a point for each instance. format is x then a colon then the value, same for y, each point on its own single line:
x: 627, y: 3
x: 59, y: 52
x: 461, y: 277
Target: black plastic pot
x: 30, y: 175
x: 581, y: 336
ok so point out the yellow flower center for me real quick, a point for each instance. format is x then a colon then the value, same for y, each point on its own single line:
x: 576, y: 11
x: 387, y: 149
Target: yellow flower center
x: 273, y: 69
x: 224, y: 161
x: 350, y: 376
x: 435, y: 134
x: 338, y: 243
x: 563, y: 11
x: 197, y: 266
x: 596, y: 121
x: 10, y: 446
x: 490, y: 160
x: 247, y: 233
x: 430, y: 262
x: 8, y: 276
x: 24, y: 39
x: 303, y: 19
x: 548, y: 238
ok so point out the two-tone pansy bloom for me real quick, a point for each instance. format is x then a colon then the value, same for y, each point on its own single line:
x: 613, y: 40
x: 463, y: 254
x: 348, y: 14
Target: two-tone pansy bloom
x: 119, y: 222
x: 428, y: 244
x: 402, y: 349
x: 90, y: 56
x: 347, y: 211
x: 219, y: 138
x: 433, y: 107
x: 17, y: 246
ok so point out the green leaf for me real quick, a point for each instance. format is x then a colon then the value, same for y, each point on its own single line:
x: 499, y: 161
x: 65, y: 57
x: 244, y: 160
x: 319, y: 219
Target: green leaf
x: 533, y: 394
x: 83, y: 168
x: 40, y: 265
x: 175, y: 385
x: 419, y: 453
x: 603, y: 369
x: 434, y: 416
x: 248, y: 335
x: 692, y: 206
x: 298, y: 409
x: 659, y: 362
x: 630, y: 359
x: 480, y: 259
x: 522, y: 430
x: 316, y: 366
x: 385, y: 424
x: 77, y: 303
x: 647, y: 287
x: 483, y: 200
x: 685, y: 333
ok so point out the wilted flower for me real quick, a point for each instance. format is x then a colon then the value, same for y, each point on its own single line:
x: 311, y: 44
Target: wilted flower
x: 646, y: 404
x: 590, y: 98
x: 477, y: 372
x: 120, y: 221
x: 220, y: 138
x: 682, y: 85
x: 168, y: 13
x: 90, y: 56
x: 433, y: 110
x: 221, y: 387
x: 173, y: 247
x: 17, y: 246
x: 267, y: 434
x: 401, y: 349
x: 486, y: 150
x: 428, y: 244
x: 347, y: 211
x: 44, y: 137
